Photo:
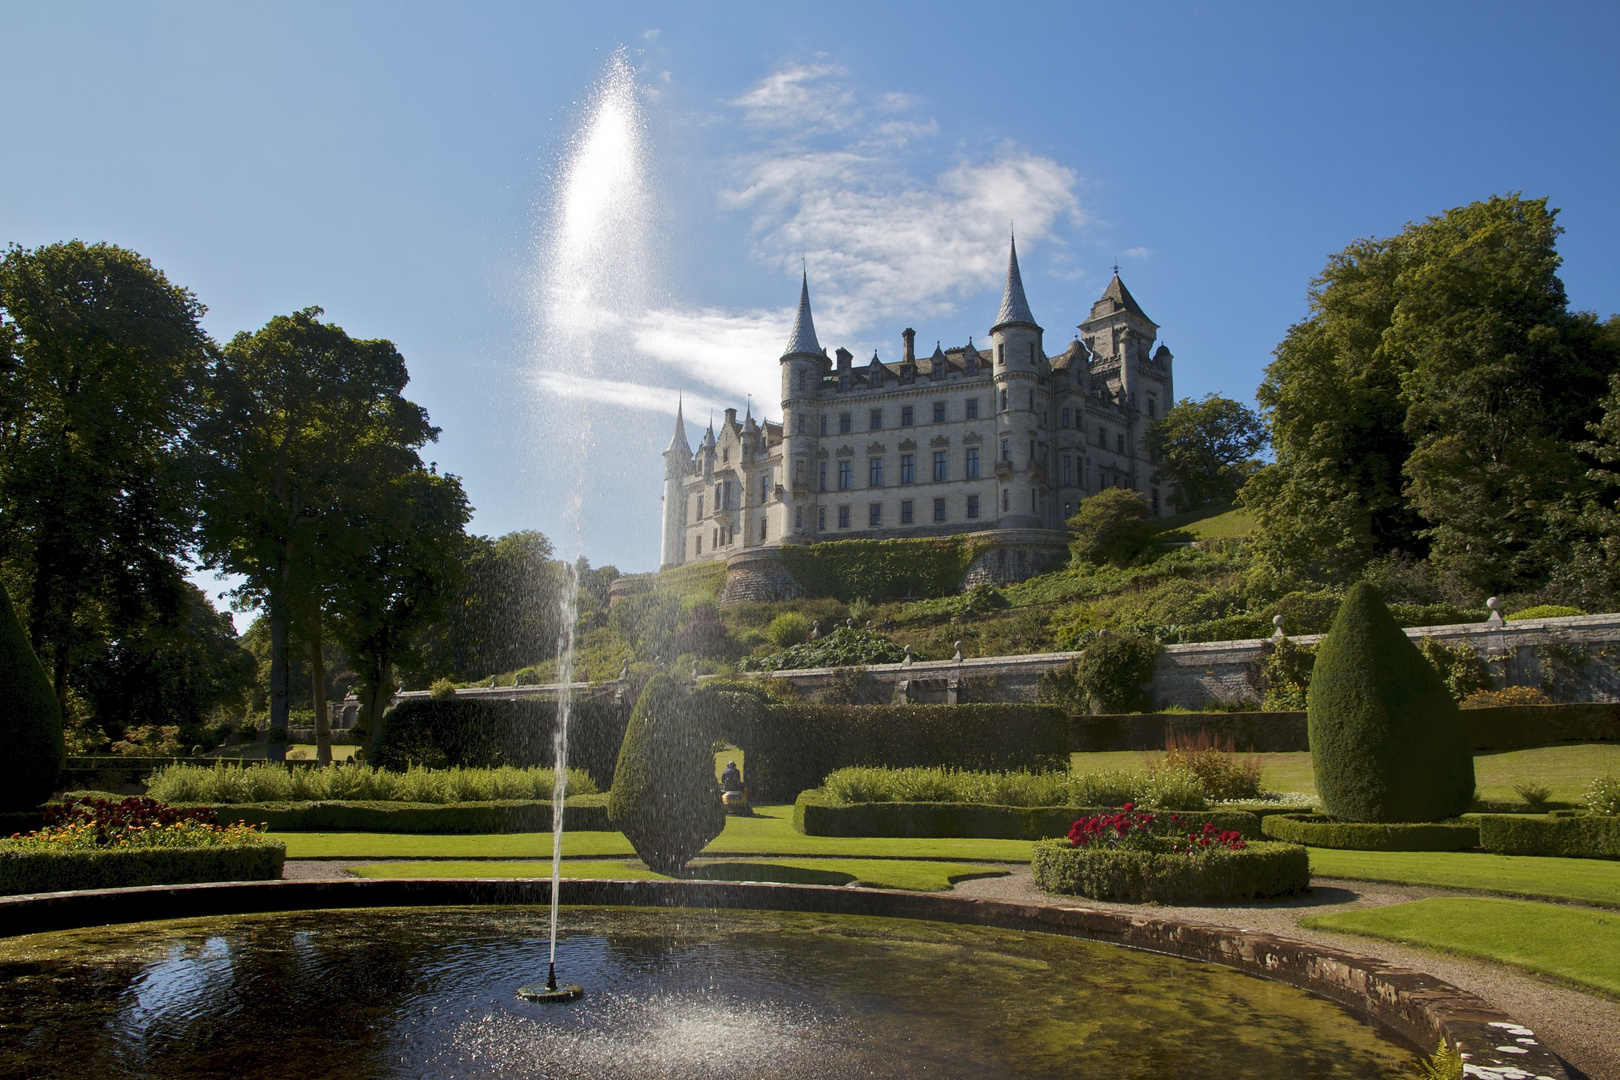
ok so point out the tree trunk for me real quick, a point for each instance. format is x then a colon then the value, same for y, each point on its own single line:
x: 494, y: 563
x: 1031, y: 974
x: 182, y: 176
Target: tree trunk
x: 375, y: 694
x: 317, y: 678
x: 278, y: 668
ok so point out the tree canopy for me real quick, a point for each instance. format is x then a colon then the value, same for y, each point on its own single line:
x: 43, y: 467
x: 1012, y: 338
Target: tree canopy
x: 1206, y: 449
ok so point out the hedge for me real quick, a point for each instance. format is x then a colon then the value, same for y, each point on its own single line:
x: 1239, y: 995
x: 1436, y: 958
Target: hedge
x: 1580, y: 836
x: 878, y: 570
x: 1318, y: 830
x: 511, y: 731
x: 116, y: 868
x: 1516, y: 727
x: 584, y: 813
x: 1217, y: 876
x: 813, y: 815
x: 791, y: 748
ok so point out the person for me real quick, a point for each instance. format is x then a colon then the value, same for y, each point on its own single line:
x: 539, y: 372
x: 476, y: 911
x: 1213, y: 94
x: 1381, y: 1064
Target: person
x: 731, y: 777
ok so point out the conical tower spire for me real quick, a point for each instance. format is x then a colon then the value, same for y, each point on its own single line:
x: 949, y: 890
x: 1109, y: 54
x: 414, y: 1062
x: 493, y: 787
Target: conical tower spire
x: 1014, y: 307
x: 803, y: 342
x: 677, y: 442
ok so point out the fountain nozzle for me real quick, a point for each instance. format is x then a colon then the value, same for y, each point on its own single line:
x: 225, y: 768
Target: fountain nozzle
x: 551, y: 976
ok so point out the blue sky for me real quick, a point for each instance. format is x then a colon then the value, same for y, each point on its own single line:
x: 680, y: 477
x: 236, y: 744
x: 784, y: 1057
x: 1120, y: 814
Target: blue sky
x: 399, y: 165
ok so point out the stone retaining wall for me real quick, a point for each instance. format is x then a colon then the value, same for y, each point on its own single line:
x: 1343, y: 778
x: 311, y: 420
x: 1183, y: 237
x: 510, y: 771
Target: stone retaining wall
x: 1415, y: 1007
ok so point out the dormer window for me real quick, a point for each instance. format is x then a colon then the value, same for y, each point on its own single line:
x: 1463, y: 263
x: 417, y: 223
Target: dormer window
x: 725, y: 456
x: 972, y: 367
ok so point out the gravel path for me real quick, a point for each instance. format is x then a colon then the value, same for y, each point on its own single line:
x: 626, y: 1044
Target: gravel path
x: 1582, y: 1028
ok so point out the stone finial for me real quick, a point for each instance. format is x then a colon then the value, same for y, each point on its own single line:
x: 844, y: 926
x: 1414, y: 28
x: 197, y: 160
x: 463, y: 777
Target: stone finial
x: 1277, y: 621
x: 815, y: 630
x: 958, y: 656
x: 624, y: 671
x: 694, y: 671
x: 1496, y: 612
x: 849, y: 623
x: 909, y: 658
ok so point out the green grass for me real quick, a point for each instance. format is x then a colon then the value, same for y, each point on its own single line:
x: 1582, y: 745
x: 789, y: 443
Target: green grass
x: 769, y: 832
x: 1209, y: 523
x: 1566, y: 769
x: 1567, y: 943
x: 1587, y: 881
x: 874, y: 873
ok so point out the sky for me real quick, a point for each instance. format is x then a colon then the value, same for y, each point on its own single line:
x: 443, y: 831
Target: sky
x: 571, y: 217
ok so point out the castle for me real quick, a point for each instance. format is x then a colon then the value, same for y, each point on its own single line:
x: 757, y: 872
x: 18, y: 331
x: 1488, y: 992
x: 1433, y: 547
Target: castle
x: 1004, y: 441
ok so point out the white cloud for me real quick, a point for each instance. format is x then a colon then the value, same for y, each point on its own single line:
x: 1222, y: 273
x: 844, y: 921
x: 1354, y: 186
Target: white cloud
x: 562, y: 387
x: 801, y: 99
x: 1137, y: 253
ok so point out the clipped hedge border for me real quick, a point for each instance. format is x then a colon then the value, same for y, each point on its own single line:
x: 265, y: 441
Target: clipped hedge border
x: 1217, y: 876
x: 1319, y: 830
x: 815, y: 815
x: 1581, y: 836
x: 117, y: 868
x: 584, y: 813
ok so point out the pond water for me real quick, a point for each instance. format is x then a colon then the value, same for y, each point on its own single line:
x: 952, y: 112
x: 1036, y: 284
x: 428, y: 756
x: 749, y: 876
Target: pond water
x: 431, y: 992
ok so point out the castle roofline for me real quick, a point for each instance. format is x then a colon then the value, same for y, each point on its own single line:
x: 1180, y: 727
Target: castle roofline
x: 803, y: 340
x: 1014, y: 305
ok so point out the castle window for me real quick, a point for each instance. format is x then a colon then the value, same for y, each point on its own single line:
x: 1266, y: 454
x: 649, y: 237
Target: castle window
x: 907, y: 469
x: 1001, y: 357
x: 798, y: 518
x: 798, y: 472
x: 1032, y: 352
x: 874, y: 472
x: 877, y: 420
x: 1032, y: 401
x: 1032, y: 451
x: 939, y: 509
x: 1120, y: 439
x: 874, y: 515
x: 762, y: 528
x: 972, y: 364
x: 876, y: 378
x: 698, y: 541
x: 941, y: 465
x: 700, y: 506
x: 1068, y: 510
x: 714, y: 538
x: 1004, y: 493
x: 821, y: 519
x: 973, y: 506
x: 907, y: 416
x: 939, y: 412
x: 725, y: 455
x: 765, y: 489
x: 843, y: 381
x: 1006, y: 450
x: 846, y: 475
x: 845, y: 424
x: 843, y: 517
x: 1153, y: 406
x: 1032, y: 500
x: 1102, y: 436
x: 1063, y: 417
x: 824, y: 425
x: 1004, y: 401
x: 905, y: 512
x: 1068, y: 469
x: 972, y: 467
x: 719, y: 497
x: 1155, y: 500
x: 821, y: 484
x: 801, y: 380
x: 972, y: 406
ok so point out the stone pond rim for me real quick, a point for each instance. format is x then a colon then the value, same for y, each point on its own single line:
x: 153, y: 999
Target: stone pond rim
x: 1416, y: 1007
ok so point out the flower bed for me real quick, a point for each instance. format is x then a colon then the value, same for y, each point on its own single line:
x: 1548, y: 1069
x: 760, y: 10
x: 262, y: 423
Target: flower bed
x: 1319, y: 830
x: 106, y: 843
x: 1139, y: 857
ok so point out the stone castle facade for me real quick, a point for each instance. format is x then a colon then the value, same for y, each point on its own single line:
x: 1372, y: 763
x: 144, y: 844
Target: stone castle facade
x: 1004, y: 440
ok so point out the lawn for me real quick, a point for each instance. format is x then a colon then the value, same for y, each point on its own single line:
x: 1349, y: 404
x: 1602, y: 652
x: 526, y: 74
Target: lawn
x: 1566, y: 769
x: 1587, y: 881
x: 1569, y: 943
x: 874, y: 873
x: 769, y: 832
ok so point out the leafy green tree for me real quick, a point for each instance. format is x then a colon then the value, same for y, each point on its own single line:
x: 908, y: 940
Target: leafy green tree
x: 1112, y: 526
x: 100, y: 358
x: 304, y: 422
x: 1206, y: 449
x: 30, y: 723
x: 1431, y: 405
x: 507, y: 615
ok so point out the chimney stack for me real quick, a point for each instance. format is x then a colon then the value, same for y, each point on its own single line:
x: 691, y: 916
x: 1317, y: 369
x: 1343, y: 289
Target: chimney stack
x: 731, y: 417
x: 910, y: 337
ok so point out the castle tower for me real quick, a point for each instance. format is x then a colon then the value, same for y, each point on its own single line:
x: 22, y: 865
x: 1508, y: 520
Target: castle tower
x: 677, y: 464
x: 1019, y: 363
x: 803, y: 365
x: 1120, y: 335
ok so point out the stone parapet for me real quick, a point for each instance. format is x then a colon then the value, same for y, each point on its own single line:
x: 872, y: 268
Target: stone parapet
x: 758, y: 574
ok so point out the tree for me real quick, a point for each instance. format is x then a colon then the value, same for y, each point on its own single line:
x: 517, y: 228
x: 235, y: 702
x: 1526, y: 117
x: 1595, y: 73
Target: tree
x: 100, y: 357
x: 31, y: 749
x: 1112, y: 526
x: 507, y: 615
x: 401, y: 563
x: 664, y: 796
x: 1387, y: 740
x: 1431, y: 405
x: 304, y: 423
x: 1206, y: 449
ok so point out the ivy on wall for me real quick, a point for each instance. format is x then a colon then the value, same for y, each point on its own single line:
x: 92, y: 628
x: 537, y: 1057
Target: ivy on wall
x: 879, y: 570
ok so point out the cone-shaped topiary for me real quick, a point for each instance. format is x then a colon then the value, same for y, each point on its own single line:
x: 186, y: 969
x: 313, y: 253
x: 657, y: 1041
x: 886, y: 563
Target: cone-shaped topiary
x: 1387, y: 741
x: 31, y: 750
x: 664, y: 797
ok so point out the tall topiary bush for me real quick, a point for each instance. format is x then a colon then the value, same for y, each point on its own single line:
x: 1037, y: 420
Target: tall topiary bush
x: 1387, y: 741
x: 31, y: 750
x: 664, y: 796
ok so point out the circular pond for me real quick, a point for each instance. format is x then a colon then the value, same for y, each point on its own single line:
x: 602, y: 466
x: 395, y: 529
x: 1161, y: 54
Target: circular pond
x: 431, y: 992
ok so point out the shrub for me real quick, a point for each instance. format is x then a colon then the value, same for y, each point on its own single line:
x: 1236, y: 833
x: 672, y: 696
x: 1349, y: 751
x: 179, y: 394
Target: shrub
x: 1174, y: 789
x: 256, y: 783
x: 1545, y: 611
x: 58, y: 870
x: 1219, y: 772
x: 442, y: 690
x: 1571, y: 836
x: 483, y: 732
x: 1285, y: 673
x: 664, y: 797
x: 792, y: 748
x: 1387, y: 741
x: 878, y: 570
x: 1111, y: 676
x: 841, y: 648
x: 1112, y: 526
x: 1535, y: 796
x: 1507, y: 696
x: 1603, y: 797
x: 584, y: 813
x: 30, y: 721
x: 788, y: 629
x: 1215, y: 876
x: 1318, y: 830
x: 1460, y: 667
